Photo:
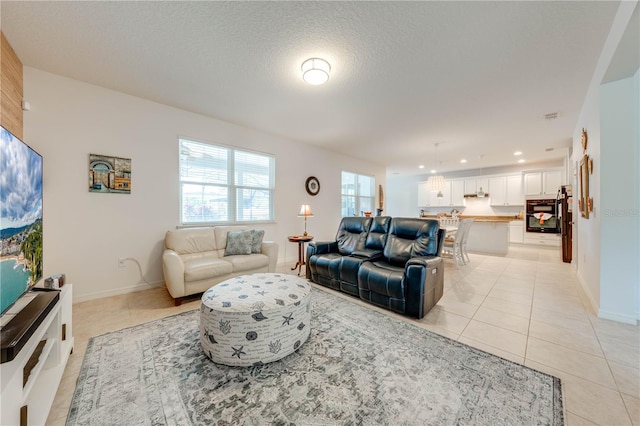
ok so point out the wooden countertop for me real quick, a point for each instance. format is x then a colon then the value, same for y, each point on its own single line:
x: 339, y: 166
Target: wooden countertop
x: 492, y: 219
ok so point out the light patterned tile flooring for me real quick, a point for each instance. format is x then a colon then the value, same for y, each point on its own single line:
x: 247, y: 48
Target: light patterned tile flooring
x: 526, y: 307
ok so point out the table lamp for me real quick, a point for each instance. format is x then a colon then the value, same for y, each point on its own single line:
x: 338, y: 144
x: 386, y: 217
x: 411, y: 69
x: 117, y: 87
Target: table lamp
x: 305, y: 211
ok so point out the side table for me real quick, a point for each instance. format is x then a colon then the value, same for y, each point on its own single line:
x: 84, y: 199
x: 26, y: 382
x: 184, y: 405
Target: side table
x: 300, y: 239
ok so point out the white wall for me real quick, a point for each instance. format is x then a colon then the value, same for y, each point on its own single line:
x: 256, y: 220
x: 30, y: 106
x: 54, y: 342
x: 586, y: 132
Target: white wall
x: 85, y: 233
x: 587, y: 232
x: 620, y: 206
x: 402, y: 196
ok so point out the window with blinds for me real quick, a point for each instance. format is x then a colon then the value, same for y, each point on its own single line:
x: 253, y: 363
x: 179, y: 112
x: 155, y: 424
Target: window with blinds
x: 358, y: 194
x: 219, y: 184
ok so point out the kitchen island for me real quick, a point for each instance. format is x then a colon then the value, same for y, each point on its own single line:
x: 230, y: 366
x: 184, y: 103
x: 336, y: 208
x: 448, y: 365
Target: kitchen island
x: 491, y: 237
x: 488, y: 234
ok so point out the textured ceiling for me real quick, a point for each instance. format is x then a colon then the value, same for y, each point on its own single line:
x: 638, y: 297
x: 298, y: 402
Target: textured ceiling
x: 475, y: 77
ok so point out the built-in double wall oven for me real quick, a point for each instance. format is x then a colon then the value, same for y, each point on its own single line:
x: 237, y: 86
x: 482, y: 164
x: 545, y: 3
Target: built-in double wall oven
x: 542, y: 216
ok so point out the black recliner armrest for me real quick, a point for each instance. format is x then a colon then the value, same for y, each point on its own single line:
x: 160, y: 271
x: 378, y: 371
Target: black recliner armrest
x: 368, y: 254
x: 424, y: 279
x: 322, y: 247
x: 422, y: 261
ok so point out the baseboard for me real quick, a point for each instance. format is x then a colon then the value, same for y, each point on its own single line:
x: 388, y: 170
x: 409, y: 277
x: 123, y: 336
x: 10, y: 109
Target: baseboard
x: 116, y: 291
x: 585, y: 289
x: 627, y: 319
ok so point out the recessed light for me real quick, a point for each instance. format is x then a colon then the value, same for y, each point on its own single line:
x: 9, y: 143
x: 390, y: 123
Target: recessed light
x: 521, y: 160
x: 517, y: 153
x: 421, y: 166
x: 463, y: 161
x: 433, y: 171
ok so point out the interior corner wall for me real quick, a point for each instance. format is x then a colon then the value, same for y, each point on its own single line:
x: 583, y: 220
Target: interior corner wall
x: 587, y: 232
x: 85, y: 233
x: 620, y: 206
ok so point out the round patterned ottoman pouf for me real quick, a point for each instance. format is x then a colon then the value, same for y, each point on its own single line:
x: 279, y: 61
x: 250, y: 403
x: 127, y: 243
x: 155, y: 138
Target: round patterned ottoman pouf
x: 256, y: 318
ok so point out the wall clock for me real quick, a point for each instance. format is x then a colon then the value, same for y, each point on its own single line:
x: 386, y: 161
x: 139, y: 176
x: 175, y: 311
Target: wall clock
x: 312, y: 185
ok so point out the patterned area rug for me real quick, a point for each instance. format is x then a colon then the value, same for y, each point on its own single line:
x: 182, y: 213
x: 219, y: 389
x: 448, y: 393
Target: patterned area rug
x: 358, y: 367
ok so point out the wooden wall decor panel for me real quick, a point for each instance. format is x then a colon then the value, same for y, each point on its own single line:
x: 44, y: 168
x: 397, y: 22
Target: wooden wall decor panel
x: 11, y: 89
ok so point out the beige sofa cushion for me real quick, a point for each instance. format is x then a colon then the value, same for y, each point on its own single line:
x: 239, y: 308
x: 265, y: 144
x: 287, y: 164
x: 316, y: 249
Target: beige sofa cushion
x: 204, y: 268
x: 247, y: 262
x: 193, y: 240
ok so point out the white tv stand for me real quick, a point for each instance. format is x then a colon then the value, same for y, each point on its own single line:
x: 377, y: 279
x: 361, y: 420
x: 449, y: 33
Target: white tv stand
x: 29, y: 404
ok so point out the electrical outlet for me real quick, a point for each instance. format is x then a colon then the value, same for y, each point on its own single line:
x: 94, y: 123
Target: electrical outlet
x: 121, y: 262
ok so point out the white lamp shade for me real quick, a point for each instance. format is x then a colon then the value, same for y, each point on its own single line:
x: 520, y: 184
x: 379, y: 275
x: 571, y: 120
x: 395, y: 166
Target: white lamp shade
x: 305, y: 211
x: 315, y: 71
x: 435, y: 183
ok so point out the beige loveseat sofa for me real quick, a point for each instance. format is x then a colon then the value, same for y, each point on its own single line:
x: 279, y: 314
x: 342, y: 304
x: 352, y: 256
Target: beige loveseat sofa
x: 194, y: 259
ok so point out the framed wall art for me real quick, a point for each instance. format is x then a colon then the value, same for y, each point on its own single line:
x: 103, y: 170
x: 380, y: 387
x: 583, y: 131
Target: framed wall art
x: 109, y: 174
x: 585, y: 202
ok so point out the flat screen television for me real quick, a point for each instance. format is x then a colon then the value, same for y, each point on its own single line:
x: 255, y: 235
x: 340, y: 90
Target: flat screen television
x: 20, y: 218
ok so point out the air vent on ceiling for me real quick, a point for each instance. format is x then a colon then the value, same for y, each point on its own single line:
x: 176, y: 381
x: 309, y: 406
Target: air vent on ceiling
x: 548, y: 149
x: 551, y: 116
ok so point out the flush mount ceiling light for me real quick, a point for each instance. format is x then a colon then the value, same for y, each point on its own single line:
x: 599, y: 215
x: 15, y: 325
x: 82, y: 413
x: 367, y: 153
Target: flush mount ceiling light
x: 315, y: 71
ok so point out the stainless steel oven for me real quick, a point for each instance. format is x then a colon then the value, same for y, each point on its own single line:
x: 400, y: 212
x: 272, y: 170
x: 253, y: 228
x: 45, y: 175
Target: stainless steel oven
x: 542, y: 216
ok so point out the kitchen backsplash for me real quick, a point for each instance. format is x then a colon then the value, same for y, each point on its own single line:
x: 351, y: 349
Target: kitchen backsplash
x: 478, y: 207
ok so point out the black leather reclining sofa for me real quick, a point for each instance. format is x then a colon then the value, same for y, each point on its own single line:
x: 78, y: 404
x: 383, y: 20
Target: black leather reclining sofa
x: 390, y: 262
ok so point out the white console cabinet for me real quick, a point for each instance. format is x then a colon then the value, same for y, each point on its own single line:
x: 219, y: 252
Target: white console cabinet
x: 29, y: 403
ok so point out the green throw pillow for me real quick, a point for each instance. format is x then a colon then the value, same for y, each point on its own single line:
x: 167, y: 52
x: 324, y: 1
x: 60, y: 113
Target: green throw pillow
x: 256, y: 245
x: 238, y: 243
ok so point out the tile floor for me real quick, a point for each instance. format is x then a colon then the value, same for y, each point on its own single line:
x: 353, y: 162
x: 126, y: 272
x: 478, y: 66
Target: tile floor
x: 526, y: 307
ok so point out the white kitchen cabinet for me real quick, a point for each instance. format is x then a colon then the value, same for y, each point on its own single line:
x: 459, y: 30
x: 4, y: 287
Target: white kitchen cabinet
x: 457, y: 193
x: 506, y: 191
x: 516, y: 231
x: 533, y: 183
x: 482, y: 184
x: 544, y: 182
x: 452, y: 195
x: 515, y: 192
x: 498, y: 191
x: 551, y: 182
x: 472, y: 186
x: 445, y: 200
x: 542, y: 239
x: 469, y: 186
x: 423, y: 194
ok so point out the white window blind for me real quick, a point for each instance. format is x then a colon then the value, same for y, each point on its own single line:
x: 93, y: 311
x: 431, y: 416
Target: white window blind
x: 358, y: 194
x: 220, y: 184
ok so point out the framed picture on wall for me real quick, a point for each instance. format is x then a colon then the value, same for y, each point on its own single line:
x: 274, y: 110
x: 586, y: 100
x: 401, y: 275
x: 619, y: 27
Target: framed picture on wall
x: 108, y: 174
x: 584, y: 203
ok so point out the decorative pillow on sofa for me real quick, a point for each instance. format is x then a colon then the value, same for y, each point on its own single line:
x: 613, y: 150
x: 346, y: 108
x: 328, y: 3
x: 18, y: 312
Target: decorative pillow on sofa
x: 238, y: 243
x: 256, y: 245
